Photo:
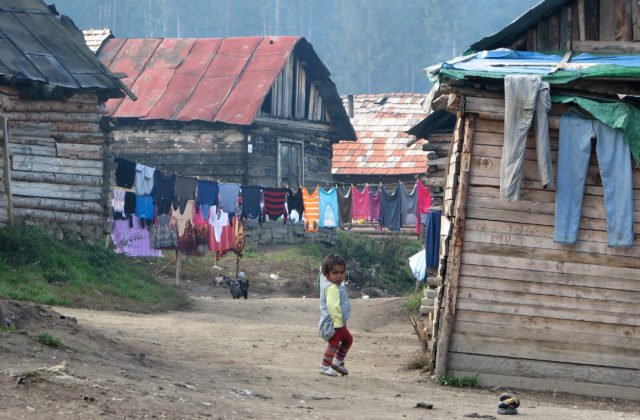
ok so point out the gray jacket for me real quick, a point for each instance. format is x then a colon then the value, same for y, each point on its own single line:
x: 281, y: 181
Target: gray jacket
x: 345, y: 306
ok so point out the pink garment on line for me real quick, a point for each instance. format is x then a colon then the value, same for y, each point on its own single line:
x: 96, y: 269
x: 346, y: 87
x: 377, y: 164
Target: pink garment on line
x: 375, y: 198
x: 424, y: 203
x: 360, y: 204
x: 134, y: 241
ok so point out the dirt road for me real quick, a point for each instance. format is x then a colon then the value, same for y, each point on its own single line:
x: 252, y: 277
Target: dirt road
x: 237, y: 359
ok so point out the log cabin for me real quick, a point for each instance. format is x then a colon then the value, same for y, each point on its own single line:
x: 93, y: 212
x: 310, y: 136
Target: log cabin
x: 53, y: 92
x: 514, y: 306
x: 255, y: 110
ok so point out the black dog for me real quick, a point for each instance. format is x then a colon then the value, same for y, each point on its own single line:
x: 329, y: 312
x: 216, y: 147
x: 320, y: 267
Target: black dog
x: 239, y: 287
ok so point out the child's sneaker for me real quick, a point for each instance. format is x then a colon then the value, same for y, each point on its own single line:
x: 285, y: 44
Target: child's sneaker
x: 327, y: 370
x: 338, y: 366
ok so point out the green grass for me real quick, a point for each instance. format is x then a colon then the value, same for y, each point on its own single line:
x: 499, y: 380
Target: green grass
x: 464, y: 382
x: 414, y: 301
x: 49, y: 340
x: 35, y: 267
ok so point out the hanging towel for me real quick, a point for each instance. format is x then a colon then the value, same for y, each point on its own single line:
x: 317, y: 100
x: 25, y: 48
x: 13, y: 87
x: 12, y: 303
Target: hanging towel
x: 360, y: 204
x: 391, y: 209
x: 125, y: 173
x: 295, y: 204
x: 424, y: 205
x: 185, y: 191
x: 374, y: 203
x: 311, y: 213
x: 144, y: 179
x: 134, y: 241
x: 207, y: 194
x: 274, y: 202
x: 180, y: 218
x: 251, y: 196
x: 409, y: 206
x: 432, y: 239
x: 229, y: 197
x: 329, y: 212
x: 344, y: 203
x: 164, y: 187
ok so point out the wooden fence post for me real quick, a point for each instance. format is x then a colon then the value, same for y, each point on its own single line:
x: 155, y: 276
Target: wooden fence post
x: 7, y: 169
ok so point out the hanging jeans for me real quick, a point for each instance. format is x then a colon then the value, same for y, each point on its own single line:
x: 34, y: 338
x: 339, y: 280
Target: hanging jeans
x: 614, y: 160
x: 526, y: 99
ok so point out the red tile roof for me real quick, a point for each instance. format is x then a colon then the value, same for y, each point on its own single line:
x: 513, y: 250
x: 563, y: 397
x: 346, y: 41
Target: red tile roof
x: 208, y: 79
x: 380, y: 122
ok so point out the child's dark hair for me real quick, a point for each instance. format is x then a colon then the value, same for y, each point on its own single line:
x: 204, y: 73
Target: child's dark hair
x: 332, y: 260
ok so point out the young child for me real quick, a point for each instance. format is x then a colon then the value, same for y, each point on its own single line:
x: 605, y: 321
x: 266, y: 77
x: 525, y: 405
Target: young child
x: 334, y: 301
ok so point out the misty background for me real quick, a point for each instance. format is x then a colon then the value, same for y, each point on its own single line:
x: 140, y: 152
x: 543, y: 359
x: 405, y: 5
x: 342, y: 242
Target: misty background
x: 369, y: 46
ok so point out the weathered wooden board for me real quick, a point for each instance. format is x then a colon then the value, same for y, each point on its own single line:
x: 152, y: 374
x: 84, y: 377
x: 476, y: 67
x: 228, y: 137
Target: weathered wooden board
x: 34, y: 149
x: 56, y: 178
x: 47, y: 216
x: 608, y: 20
x: 47, y: 190
x: 64, y: 205
x: 57, y: 165
x: 544, y: 350
x: 547, y: 370
x: 80, y: 151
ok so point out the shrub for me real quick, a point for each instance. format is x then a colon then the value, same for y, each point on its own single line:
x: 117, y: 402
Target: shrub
x: 49, y: 340
x: 414, y: 301
x: 465, y: 382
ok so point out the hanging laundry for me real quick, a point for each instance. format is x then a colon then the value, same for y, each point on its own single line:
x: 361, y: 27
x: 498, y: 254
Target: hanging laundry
x: 360, y: 204
x: 526, y: 99
x: 238, y: 233
x: 145, y: 209
x: 344, y: 204
x: 163, y: 192
x: 201, y: 227
x: 409, y: 207
x: 187, y: 240
x: 295, y: 205
x: 391, y: 209
x: 144, y: 179
x: 432, y: 239
x: 218, y: 219
x: 164, y: 233
x: 311, y: 213
x: 424, y: 205
x: 181, y: 218
x: 251, y: 196
x: 374, y: 203
x: 274, y: 203
x: 614, y: 160
x: 185, y: 191
x: 329, y: 212
x: 229, y: 197
x: 117, y: 202
x: 134, y: 241
x: 125, y: 172
x: 207, y: 195
x: 224, y: 242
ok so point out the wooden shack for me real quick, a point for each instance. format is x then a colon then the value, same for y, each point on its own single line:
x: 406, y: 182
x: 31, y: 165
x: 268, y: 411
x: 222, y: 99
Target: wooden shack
x: 52, y: 100
x: 514, y: 307
x: 252, y: 110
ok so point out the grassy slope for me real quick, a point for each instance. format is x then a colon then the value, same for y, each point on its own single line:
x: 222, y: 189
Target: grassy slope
x: 35, y: 267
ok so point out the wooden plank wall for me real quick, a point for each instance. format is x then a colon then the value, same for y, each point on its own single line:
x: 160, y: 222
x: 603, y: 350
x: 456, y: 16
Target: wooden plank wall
x: 533, y: 313
x: 586, y: 25
x: 4, y: 199
x: 57, y: 163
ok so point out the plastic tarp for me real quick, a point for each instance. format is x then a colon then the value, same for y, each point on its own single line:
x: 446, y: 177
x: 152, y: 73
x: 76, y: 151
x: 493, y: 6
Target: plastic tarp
x: 613, y: 114
x: 418, y: 265
x: 500, y: 62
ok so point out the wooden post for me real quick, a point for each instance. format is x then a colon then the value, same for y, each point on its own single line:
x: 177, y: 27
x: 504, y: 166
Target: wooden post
x: 453, y: 266
x: 7, y: 169
x: 178, y: 266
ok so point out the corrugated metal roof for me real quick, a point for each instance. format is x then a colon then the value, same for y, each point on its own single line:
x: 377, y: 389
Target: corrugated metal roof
x: 210, y: 79
x: 381, y: 122
x: 94, y: 38
x: 37, y: 45
x: 511, y: 32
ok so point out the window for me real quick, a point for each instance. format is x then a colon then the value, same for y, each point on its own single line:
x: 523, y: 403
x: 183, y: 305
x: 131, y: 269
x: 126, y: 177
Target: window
x: 290, y: 166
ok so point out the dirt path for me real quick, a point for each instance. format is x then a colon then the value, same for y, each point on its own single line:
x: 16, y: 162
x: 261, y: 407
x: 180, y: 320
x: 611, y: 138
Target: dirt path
x: 255, y: 358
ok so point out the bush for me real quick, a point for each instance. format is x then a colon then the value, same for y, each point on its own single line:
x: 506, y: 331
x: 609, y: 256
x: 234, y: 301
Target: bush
x: 414, y: 301
x: 49, y: 340
x: 464, y: 382
x: 386, y: 260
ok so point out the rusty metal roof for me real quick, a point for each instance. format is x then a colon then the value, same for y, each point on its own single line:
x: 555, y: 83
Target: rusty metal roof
x: 39, y: 46
x: 210, y: 79
x: 381, y: 122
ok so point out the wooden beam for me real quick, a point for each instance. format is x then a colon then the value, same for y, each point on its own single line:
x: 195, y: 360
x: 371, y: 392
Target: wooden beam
x: 565, y: 28
x: 623, y: 18
x: 607, y: 46
x: 608, y: 20
x: 582, y: 35
x: 591, y: 20
x: 455, y: 252
x: 6, y: 152
x: 635, y: 22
